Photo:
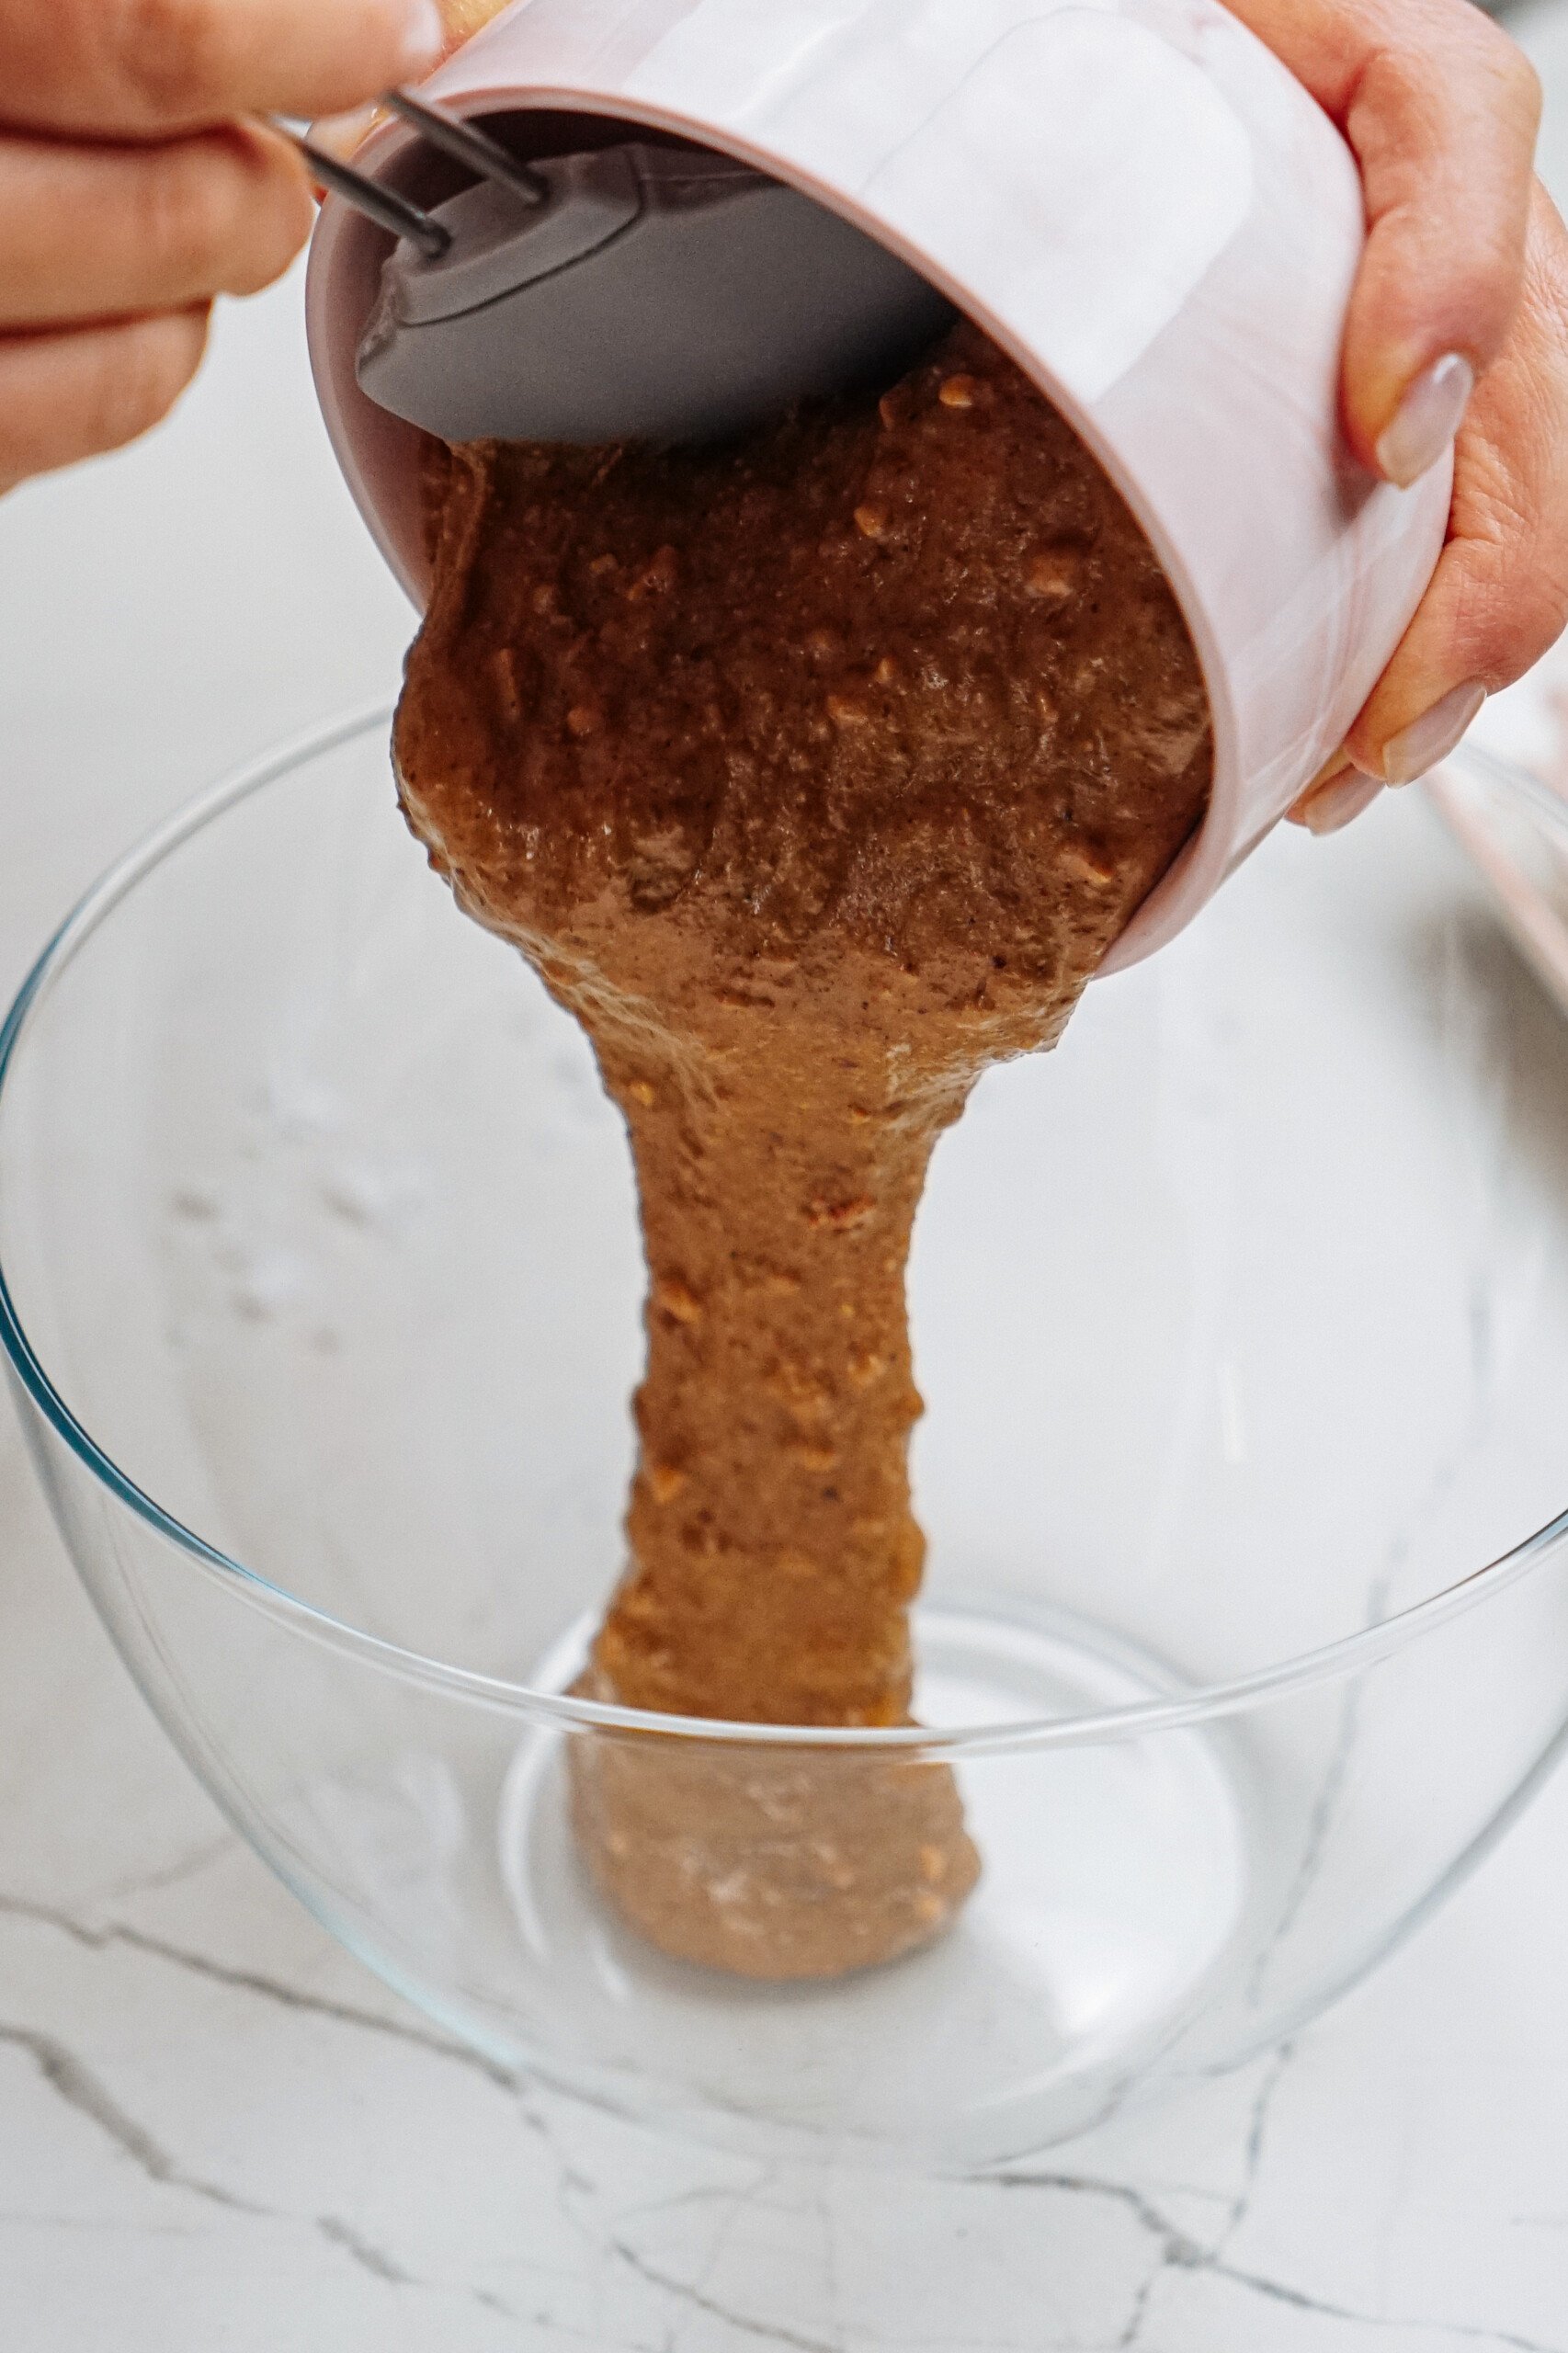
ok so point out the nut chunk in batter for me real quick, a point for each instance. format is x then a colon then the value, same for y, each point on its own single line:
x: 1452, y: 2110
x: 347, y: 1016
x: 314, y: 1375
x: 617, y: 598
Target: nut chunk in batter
x: 813, y: 773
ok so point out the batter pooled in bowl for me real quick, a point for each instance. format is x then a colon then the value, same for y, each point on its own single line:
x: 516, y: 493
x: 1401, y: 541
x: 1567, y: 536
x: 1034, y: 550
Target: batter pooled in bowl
x: 814, y: 774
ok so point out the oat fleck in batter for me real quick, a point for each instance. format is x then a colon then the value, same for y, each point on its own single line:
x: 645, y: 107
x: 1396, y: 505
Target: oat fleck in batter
x: 814, y: 774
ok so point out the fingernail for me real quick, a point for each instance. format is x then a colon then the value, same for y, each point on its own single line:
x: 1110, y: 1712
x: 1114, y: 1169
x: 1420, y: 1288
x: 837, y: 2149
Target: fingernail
x: 1424, y: 422
x: 1335, y: 764
x: 1431, y: 737
x: 340, y: 134
x: 423, y: 39
x: 1334, y: 804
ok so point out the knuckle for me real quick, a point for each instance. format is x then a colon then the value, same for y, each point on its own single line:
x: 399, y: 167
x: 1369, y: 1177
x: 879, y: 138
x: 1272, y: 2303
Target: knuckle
x: 1470, y: 43
x: 1517, y: 79
x: 1536, y: 611
x: 68, y: 396
x: 179, y: 228
x: 1412, y: 92
x: 1510, y: 559
x: 139, y: 375
x: 1510, y: 605
x: 169, y: 54
x: 1546, y: 276
x: 219, y: 214
x: 273, y: 213
x: 1398, y: 99
x: 1485, y: 283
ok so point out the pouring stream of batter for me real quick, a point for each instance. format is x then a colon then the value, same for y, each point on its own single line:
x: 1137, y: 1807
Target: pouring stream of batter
x: 814, y: 774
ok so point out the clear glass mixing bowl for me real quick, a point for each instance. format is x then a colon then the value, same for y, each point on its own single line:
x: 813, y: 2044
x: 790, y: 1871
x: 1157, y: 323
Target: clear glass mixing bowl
x: 1242, y: 1323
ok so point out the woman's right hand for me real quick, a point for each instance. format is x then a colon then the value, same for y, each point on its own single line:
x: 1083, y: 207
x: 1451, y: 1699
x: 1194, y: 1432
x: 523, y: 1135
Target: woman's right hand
x: 1458, y: 337
x: 136, y: 184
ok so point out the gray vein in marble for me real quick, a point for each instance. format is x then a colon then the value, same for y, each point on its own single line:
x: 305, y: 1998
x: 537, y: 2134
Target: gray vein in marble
x: 744, y: 2202
x: 572, y: 2184
x: 370, y: 2258
x: 1179, y: 2252
x: 93, y: 2225
x: 712, y: 2193
x: 570, y: 2178
x: 1277, y: 2292
x: 545, y: 2318
x: 1483, y: 1374
x: 382, y: 2266
x: 767, y: 2332
x: 831, y: 2288
x: 1257, y: 2136
x: 79, y: 2089
x: 1183, y: 2257
x: 1132, y: 2333
x: 1331, y: 1788
x: 245, y: 1981
x: 1118, y: 2193
x: 189, y: 1865
x: 1175, y: 2250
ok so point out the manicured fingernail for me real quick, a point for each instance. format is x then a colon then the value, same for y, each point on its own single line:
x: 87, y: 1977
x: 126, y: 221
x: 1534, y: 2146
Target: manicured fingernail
x: 1337, y: 765
x: 340, y: 134
x: 1424, y: 422
x: 424, y: 38
x: 1431, y: 737
x: 1333, y: 804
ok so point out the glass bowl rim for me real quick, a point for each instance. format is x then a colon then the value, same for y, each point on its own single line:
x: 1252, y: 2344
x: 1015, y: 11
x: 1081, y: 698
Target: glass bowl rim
x: 1331, y: 1662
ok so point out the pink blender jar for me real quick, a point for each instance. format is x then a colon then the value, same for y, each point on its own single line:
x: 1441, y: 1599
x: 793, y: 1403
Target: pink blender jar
x: 693, y: 206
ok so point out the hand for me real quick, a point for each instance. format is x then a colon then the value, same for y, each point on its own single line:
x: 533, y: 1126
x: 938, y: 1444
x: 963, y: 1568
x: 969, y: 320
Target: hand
x: 1457, y: 331
x: 134, y: 187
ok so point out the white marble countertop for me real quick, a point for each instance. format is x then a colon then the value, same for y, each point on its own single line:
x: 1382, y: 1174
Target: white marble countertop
x: 217, y: 2135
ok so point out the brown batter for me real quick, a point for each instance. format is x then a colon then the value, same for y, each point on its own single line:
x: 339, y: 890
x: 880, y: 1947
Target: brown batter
x: 814, y: 774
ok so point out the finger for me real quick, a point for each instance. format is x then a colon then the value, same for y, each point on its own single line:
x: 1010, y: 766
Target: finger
x: 1442, y: 111
x: 1500, y: 595
x: 1338, y: 793
x: 465, y: 17
x: 1332, y: 804
x: 142, y: 68
x: 342, y: 134
x: 99, y: 232
x: 73, y: 395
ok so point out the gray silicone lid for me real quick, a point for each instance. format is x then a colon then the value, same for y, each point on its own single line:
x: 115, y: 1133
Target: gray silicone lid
x: 660, y: 293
